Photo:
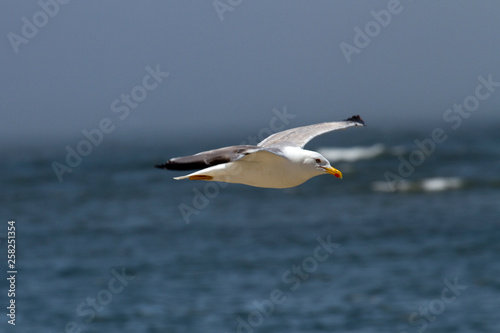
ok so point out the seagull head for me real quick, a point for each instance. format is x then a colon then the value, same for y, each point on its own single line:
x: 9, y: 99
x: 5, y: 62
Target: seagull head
x: 319, y: 163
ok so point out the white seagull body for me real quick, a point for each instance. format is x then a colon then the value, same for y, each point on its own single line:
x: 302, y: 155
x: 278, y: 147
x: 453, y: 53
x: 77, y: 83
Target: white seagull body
x: 279, y: 161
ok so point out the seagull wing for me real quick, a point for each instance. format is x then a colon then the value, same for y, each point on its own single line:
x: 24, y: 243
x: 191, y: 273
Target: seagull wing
x: 301, y: 135
x: 209, y: 158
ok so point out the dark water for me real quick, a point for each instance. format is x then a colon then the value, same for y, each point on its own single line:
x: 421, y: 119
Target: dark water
x: 108, y: 249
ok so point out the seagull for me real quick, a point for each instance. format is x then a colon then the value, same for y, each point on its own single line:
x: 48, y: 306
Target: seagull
x: 279, y: 161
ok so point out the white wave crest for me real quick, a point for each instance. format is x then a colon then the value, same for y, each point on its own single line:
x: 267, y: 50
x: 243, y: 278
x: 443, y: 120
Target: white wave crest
x: 441, y: 184
x: 425, y: 185
x: 352, y: 154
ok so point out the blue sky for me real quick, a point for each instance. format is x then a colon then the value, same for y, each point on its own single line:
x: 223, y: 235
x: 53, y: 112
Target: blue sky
x: 225, y: 65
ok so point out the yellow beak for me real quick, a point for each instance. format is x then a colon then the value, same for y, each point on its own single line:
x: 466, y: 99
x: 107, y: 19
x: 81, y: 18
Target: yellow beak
x: 333, y: 171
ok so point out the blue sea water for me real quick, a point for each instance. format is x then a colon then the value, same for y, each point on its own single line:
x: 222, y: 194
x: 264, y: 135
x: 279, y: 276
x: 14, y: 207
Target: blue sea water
x: 119, y: 246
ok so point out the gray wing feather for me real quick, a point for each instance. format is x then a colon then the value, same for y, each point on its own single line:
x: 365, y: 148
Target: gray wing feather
x: 209, y: 158
x: 301, y: 135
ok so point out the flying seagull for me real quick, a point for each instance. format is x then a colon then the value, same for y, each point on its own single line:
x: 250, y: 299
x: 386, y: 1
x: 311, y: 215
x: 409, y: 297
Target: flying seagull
x: 276, y: 162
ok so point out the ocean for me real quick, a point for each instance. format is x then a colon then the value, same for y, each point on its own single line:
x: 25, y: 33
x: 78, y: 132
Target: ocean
x: 407, y: 241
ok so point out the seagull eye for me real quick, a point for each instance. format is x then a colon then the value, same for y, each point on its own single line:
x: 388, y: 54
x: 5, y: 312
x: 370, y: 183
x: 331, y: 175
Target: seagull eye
x: 318, y: 160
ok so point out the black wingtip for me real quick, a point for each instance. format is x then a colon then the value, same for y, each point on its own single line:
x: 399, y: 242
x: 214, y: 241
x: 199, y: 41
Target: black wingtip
x: 168, y: 165
x: 161, y: 166
x: 357, y: 119
x: 173, y: 164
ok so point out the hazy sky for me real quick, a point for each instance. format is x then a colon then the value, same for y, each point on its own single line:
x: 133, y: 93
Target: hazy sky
x: 67, y: 66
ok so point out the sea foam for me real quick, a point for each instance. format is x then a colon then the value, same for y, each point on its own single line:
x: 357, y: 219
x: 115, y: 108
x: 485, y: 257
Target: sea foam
x: 423, y: 185
x: 352, y: 154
